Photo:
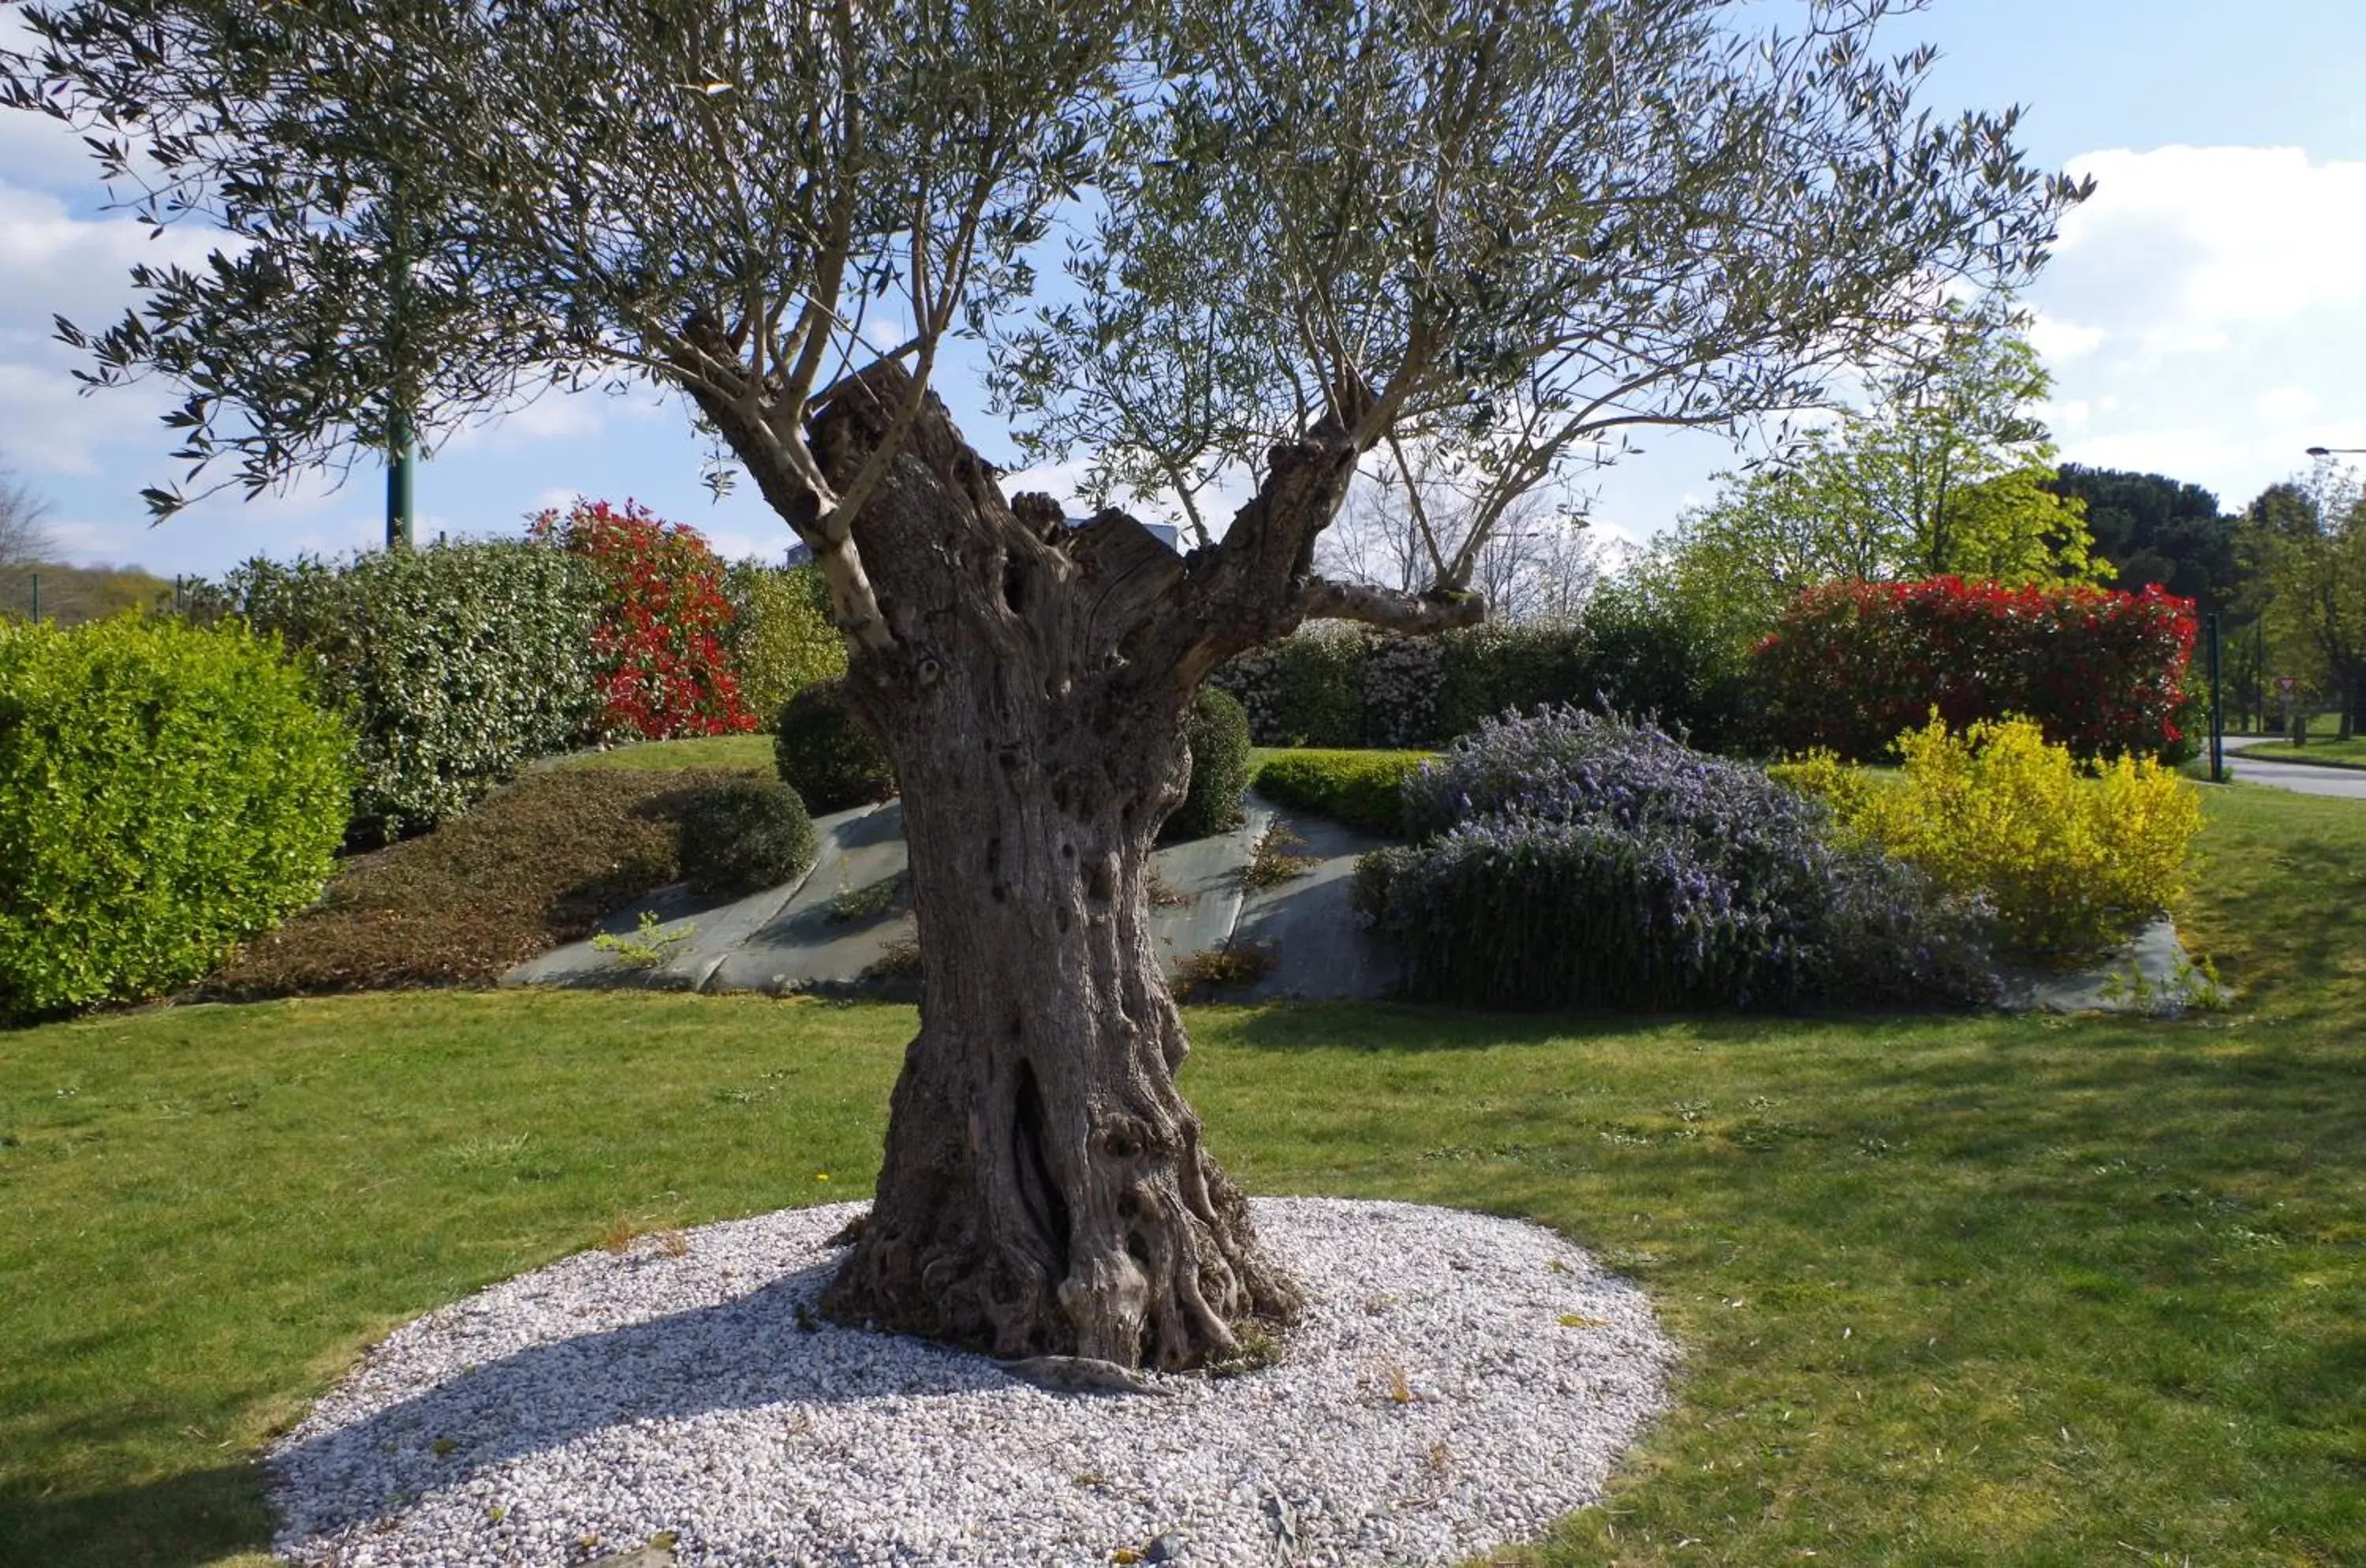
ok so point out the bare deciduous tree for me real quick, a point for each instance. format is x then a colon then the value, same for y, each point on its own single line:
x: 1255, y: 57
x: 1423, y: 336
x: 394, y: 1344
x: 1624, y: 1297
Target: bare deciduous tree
x: 24, y: 539
x: 1527, y: 557
x: 1290, y: 233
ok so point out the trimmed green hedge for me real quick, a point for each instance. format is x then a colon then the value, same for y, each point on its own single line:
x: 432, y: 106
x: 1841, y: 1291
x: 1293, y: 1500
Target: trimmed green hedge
x: 1306, y: 689
x: 457, y: 664
x: 781, y: 639
x: 1362, y: 789
x: 1331, y: 686
x: 166, y: 791
x: 1218, y: 730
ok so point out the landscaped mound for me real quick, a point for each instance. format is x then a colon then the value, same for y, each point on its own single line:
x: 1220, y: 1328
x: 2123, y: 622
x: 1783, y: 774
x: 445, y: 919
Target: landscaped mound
x: 537, y: 864
x: 1572, y: 861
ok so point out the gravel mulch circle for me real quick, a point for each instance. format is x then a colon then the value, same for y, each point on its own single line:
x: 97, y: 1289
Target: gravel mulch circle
x: 1458, y: 1382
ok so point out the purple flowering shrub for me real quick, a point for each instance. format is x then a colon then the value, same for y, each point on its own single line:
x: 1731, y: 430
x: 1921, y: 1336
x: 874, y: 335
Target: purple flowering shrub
x: 1571, y: 860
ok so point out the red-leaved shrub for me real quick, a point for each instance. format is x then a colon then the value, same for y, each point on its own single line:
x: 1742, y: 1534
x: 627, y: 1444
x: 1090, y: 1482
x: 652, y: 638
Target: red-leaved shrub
x: 1854, y: 665
x: 659, y: 648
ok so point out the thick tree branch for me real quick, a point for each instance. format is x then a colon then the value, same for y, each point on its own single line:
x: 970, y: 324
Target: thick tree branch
x: 1323, y: 600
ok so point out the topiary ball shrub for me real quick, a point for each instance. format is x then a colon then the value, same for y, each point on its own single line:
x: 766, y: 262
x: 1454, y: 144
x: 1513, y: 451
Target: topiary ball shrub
x: 1579, y: 861
x: 166, y: 792
x: 1362, y: 789
x: 827, y: 754
x: 745, y: 836
x: 1218, y: 730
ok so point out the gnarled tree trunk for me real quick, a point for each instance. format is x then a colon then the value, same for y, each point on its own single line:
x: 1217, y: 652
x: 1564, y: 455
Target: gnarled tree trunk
x: 1046, y: 1190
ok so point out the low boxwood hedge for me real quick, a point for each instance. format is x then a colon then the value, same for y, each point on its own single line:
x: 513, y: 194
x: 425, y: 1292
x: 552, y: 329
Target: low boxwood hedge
x: 1361, y: 789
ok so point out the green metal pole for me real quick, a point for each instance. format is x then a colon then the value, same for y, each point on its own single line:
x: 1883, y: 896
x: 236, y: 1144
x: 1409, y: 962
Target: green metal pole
x: 398, y: 482
x: 2217, y: 709
x: 399, y: 442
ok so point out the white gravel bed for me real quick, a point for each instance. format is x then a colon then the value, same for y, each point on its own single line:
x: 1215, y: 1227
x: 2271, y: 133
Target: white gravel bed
x: 1458, y: 1382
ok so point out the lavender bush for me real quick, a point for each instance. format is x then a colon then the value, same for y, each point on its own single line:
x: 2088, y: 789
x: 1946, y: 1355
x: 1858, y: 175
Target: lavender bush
x: 1573, y: 860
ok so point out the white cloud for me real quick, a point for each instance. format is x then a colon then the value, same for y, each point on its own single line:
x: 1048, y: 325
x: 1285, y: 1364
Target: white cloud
x: 39, y: 150
x: 2057, y: 340
x: 53, y: 263
x: 2181, y: 246
x: 2286, y: 405
x: 734, y: 546
x: 2205, y: 313
x: 2068, y: 418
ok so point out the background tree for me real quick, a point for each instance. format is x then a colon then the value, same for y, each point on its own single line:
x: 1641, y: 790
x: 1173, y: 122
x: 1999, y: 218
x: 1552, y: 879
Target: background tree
x: 2311, y: 545
x: 24, y: 540
x: 2155, y: 529
x: 1531, y: 559
x: 1292, y: 233
x: 1949, y: 461
x: 1943, y: 472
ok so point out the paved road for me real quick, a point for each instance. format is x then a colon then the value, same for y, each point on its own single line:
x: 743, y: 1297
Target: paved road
x: 2348, y: 782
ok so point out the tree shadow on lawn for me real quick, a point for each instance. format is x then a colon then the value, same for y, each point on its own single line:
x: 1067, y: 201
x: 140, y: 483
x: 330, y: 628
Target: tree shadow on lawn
x: 763, y: 1348
x: 1373, y: 1027
x: 183, y: 1520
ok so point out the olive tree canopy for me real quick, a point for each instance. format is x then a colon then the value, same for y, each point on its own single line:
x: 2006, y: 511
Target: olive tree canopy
x: 1262, y: 237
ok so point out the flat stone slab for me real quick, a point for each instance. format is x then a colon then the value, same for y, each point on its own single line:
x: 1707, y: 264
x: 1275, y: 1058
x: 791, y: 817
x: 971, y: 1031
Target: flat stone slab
x: 1206, y: 878
x: 831, y: 928
x: 699, y: 933
x: 850, y: 914
x: 2151, y: 975
x: 1307, y: 926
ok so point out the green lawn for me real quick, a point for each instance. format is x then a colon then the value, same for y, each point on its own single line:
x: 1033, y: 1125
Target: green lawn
x: 2317, y: 751
x: 1952, y: 1289
x: 704, y: 751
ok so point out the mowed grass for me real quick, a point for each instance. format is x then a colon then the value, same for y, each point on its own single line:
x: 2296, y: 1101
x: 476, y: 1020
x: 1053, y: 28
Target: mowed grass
x: 2320, y: 748
x: 1951, y: 1290
x: 700, y: 752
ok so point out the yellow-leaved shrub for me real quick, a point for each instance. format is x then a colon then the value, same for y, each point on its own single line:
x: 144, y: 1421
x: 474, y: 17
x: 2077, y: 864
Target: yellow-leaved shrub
x: 2072, y: 858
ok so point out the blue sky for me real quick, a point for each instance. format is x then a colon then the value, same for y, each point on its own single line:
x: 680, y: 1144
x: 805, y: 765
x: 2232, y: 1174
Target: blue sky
x: 2205, y: 315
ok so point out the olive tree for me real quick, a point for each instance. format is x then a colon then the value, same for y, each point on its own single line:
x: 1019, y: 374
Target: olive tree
x: 1198, y: 237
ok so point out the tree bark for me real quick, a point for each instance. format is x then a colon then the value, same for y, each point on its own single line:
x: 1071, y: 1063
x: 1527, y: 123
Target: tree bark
x: 1046, y: 1190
